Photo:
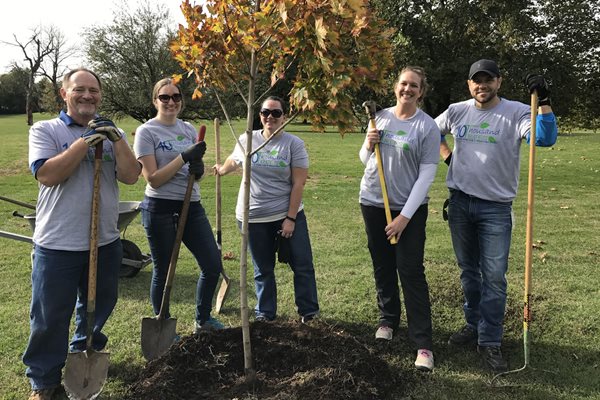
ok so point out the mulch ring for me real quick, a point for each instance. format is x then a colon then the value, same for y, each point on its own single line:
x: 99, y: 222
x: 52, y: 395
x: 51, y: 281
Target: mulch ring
x: 292, y: 361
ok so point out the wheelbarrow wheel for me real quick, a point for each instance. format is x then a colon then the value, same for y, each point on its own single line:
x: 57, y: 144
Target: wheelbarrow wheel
x: 131, y: 252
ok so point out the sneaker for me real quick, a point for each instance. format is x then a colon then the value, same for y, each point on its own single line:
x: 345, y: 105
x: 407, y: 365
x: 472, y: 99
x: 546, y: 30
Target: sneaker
x: 491, y: 358
x: 210, y: 324
x: 424, y: 361
x: 307, y: 319
x: 466, y: 336
x: 384, y: 333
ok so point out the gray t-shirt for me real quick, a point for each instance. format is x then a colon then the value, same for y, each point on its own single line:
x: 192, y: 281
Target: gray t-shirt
x: 271, y: 182
x: 405, y: 145
x: 166, y: 142
x: 487, y: 143
x: 63, y: 212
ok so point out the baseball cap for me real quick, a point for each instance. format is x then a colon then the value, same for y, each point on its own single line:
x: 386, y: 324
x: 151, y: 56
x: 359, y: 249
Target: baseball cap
x: 488, y: 66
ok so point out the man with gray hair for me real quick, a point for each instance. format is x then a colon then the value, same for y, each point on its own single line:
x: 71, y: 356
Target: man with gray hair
x: 61, y: 157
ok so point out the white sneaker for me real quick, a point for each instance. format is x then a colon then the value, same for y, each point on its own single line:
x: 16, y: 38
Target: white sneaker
x: 384, y: 333
x: 424, y: 361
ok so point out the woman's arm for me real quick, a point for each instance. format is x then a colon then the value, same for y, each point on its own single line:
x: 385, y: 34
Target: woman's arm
x: 157, y: 177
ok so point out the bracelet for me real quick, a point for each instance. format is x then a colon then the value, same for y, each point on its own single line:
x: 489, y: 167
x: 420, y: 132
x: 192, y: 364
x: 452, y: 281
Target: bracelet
x: 290, y: 218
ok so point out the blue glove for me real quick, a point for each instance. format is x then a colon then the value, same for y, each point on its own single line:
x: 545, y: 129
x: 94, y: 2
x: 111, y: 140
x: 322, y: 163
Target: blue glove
x: 194, y: 153
x: 106, y: 127
x: 92, y: 138
x: 197, y: 168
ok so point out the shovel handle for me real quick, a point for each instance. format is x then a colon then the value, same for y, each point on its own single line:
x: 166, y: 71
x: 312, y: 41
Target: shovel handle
x: 179, y: 237
x: 370, y: 109
x: 93, y: 260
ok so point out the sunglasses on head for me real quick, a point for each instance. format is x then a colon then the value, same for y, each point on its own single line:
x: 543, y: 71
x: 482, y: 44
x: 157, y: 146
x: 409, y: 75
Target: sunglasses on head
x: 164, y: 98
x: 265, y: 112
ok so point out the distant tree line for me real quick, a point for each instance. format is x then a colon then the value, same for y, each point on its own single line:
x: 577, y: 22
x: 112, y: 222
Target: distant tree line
x: 557, y: 38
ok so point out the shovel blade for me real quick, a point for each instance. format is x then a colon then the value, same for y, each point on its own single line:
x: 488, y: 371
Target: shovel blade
x: 157, y: 336
x: 223, y: 289
x: 85, y: 374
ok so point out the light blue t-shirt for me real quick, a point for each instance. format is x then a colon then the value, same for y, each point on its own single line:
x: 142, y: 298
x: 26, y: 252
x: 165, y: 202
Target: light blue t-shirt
x: 405, y: 145
x: 271, y: 181
x: 63, y: 212
x: 166, y: 142
x: 487, y: 143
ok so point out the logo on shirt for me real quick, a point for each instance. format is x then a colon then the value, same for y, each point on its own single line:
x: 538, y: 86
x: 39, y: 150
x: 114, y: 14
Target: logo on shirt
x: 477, y: 133
x: 270, y: 159
x: 398, y: 139
x: 176, y: 144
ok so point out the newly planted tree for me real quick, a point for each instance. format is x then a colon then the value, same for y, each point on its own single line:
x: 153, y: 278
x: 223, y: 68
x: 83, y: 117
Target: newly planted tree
x: 326, y: 50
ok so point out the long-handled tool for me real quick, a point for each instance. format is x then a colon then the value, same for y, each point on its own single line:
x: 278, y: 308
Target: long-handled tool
x: 224, y: 288
x: 158, y: 333
x: 370, y: 108
x: 528, y: 240
x: 86, y: 371
x: 17, y: 202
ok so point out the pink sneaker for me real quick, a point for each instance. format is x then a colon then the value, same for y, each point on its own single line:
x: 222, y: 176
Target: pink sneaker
x: 424, y: 361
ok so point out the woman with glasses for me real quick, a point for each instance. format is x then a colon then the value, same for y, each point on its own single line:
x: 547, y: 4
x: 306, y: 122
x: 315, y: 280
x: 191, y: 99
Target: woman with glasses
x: 276, y: 215
x: 168, y: 150
x: 409, y: 142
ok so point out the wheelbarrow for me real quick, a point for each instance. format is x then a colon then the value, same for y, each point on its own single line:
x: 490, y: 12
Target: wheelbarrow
x: 133, y: 258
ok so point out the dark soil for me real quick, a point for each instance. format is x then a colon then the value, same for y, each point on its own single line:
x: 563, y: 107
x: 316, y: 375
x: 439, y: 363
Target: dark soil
x: 292, y: 361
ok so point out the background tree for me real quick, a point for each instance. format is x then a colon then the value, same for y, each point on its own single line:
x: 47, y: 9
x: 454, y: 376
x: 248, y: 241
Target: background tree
x: 53, y: 68
x: 39, y: 44
x: 333, y: 48
x: 13, y: 91
x: 555, y: 37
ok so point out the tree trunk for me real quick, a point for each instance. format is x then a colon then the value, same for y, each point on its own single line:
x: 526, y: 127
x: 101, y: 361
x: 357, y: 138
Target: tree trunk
x: 29, y: 100
x: 249, y: 371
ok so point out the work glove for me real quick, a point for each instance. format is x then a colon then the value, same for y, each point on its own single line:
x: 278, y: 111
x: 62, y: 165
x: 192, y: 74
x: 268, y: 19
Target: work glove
x: 197, y: 168
x: 92, y: 138
x: 539, y: 84
x: 194, y: 153
x: 106, y: 127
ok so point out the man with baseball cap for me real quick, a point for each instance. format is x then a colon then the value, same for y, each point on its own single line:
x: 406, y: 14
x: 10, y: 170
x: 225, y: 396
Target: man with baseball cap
x: 482, y: 178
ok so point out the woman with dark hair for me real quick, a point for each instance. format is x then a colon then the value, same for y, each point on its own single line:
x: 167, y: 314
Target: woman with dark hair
x: 276, y: 215
x: 167, y: 149
x: 409, y: 142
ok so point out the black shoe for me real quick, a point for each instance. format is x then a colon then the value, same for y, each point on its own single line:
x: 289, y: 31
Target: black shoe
x: 466, y: 336
x: 491, y: 357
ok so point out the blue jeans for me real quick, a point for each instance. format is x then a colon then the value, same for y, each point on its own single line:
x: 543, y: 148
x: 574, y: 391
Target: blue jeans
x: 481, y: 233
x: 403, y: 260
x: 59, y: 280
x: 161, y: 229
x: 262, y: 244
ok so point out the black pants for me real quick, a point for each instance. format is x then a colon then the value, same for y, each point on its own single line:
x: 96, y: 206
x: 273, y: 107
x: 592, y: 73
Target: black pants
x: 404, y: 260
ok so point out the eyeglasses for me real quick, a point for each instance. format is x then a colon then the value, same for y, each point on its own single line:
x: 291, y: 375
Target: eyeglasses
x: 265, y: 112
x: 164, y: 98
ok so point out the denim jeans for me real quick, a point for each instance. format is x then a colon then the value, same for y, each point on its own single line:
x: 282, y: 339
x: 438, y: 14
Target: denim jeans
x: 198, y: 237
x: 481, y: 233
x: 262, y: 245
x: 59, y: 280
x: 403, y: 260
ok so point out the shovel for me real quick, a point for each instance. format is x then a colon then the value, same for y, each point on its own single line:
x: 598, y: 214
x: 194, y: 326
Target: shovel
x: 158, y: 333
x: 224, y: 288
x: 370, y: 108
x: 86, y: 371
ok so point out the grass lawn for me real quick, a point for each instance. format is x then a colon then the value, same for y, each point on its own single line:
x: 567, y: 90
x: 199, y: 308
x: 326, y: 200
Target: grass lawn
x: 565, y: 348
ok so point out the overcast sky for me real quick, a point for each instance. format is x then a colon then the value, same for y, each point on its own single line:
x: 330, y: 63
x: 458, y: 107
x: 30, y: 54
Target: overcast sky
x: 70, y: 16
